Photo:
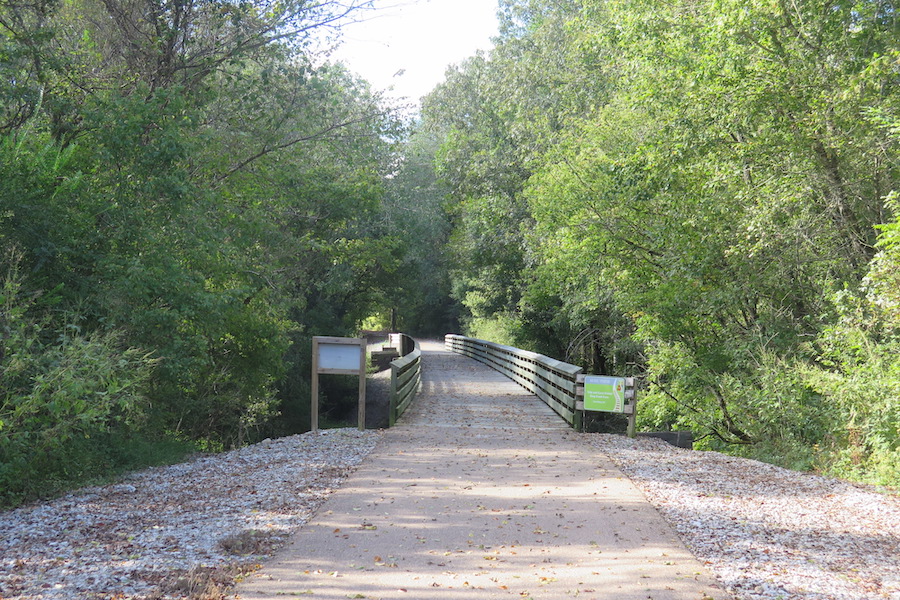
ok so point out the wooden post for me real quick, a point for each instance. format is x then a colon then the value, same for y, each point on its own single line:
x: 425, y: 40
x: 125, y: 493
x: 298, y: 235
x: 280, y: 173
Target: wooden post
x: 632, y: 417
x: 314, y: 400
x: 578, y: 415
x: 361, y: 418
x: 392, y: 398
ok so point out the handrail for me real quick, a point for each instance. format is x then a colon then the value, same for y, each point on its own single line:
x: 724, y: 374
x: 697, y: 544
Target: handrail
x: 551, y: 380
x: 406, y: 379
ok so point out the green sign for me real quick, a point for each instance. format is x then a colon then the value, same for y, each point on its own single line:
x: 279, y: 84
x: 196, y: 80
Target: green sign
x: 604, y: 394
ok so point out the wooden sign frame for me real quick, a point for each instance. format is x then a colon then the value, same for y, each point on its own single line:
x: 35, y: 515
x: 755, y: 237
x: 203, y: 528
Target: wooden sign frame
x: 336, y: 356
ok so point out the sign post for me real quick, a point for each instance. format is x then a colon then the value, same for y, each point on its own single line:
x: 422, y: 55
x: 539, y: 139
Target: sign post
x: 338, y: 356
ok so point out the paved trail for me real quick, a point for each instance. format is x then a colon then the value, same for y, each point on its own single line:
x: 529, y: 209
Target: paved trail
x: 483, y: 492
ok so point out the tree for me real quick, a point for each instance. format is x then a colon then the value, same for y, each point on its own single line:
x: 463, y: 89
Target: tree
x: 693, y: 185
x: 188, y: 178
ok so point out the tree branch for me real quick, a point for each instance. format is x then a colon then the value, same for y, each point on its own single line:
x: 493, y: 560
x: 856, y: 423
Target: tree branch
x: 268, y: 149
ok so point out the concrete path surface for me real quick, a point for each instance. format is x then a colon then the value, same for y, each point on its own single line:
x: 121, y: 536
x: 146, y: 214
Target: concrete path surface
x: 482, y: 492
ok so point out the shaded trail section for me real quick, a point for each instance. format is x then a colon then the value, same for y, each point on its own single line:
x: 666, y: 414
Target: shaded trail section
x: 482, y: 492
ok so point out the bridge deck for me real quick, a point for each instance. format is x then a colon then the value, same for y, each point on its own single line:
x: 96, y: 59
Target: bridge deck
x: 482, y: 492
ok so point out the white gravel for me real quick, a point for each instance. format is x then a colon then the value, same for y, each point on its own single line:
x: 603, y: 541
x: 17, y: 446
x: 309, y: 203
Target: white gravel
x: 123, y: 540
x: 765, y: 532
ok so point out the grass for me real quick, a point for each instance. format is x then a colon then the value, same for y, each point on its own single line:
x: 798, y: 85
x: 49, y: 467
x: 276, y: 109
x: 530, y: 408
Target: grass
x: 252, y: 542
x: 91, y: 461
x: 202, y: 583
x: 215, y: 583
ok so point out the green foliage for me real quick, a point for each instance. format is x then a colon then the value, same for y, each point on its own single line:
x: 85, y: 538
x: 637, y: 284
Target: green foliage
x: 60, y: 388
x: 416, y: 217
x: 680, y: 191
x: 187, y: 179
x: 499, y: 328
x: 858, y: 372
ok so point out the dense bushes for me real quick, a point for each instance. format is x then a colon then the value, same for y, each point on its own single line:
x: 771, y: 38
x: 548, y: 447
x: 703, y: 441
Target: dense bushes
x: 63, y: 393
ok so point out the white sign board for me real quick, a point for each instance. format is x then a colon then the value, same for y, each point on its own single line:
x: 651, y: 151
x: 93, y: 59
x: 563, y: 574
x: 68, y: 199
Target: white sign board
x: 342, y: 357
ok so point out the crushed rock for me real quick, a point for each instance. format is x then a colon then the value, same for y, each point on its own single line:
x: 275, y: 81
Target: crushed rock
x: 122, y: 540
x: 765, y: 532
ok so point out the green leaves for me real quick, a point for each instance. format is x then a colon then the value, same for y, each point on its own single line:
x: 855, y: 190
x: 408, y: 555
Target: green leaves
x: 687, y: 184
x: 60, y: 387
x: 187, y: 180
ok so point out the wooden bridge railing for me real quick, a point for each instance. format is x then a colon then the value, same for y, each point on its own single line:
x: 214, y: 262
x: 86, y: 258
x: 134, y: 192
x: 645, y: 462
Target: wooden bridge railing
x: 552, y: 381
x: 406, y: 376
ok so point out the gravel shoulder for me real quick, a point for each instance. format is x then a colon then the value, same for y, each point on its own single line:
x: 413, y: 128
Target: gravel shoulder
x: 766, y: 533
x: 163, y: 532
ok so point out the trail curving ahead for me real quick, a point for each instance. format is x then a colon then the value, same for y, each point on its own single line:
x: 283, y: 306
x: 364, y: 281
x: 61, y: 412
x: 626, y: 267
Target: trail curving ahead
x: 482, y: 492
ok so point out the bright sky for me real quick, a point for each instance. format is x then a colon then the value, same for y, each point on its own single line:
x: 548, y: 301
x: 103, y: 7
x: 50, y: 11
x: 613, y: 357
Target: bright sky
x: 408, y: 44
